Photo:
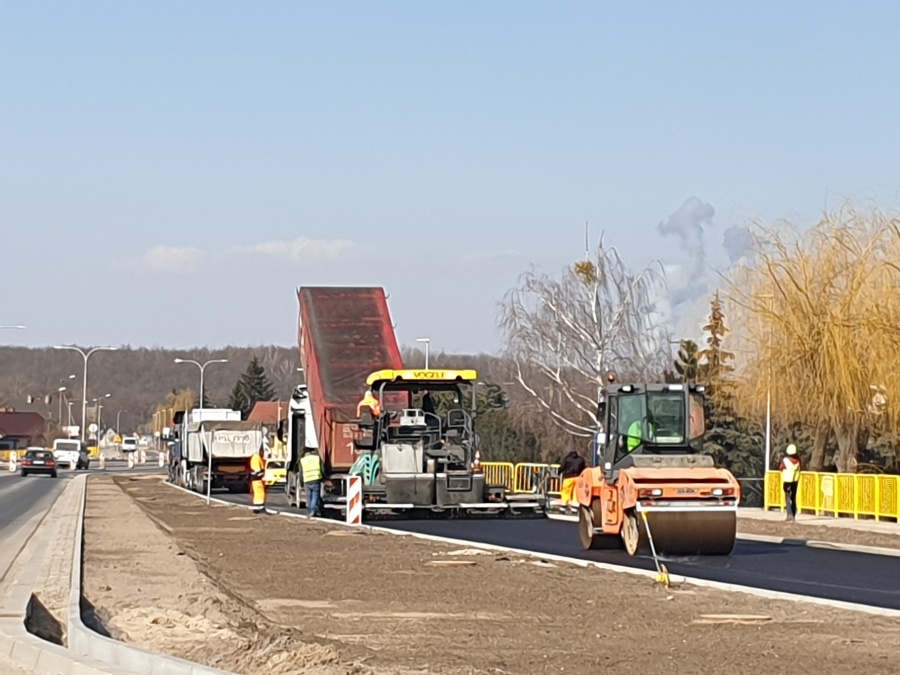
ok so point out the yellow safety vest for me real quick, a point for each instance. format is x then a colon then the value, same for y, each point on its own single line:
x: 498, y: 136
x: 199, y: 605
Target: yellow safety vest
x: 256, y: 464
x: 791, y: 471
x: 312, y: 468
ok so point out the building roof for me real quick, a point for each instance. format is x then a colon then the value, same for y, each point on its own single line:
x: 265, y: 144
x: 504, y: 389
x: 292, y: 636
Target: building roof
x: 269, y: 412
x: 21, y: 424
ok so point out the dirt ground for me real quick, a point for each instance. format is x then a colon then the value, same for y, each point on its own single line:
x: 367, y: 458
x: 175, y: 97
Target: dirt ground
x: 837, y: 535
x: 275, y: 595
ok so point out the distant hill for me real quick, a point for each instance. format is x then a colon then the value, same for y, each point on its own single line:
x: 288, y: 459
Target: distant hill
x: 138, y: 379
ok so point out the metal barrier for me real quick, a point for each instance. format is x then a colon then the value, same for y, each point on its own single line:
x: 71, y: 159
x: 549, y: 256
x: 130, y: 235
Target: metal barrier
x: 839, y: 494
x: 499, y: 473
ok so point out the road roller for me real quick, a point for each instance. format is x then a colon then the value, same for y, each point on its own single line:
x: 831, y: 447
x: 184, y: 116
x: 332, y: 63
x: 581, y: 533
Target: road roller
x: 651, y: 479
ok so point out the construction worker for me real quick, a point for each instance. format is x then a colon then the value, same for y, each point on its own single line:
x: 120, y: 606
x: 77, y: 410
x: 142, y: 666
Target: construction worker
x: 790, y: 478
x: 257, y: 487
x: 312, y: 472
x: 369, y: 401
x: 570, y: 468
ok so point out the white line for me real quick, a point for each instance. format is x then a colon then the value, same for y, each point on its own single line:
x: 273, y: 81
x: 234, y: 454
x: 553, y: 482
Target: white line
x: 609, y: 567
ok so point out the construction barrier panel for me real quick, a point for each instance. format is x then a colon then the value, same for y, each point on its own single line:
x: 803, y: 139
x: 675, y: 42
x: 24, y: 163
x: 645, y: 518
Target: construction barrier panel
x: 499, y: 473
x: 354, y: 500
x: 839, y: 494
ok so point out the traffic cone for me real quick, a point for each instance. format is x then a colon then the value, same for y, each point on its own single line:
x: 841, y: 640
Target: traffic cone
x: 130, y: 460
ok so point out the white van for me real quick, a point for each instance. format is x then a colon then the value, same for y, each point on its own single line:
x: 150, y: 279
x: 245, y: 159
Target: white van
x: 71, y: 452
x: 129, y: 444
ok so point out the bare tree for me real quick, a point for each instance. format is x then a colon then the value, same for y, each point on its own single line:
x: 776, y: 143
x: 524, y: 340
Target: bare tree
x: 566, y: 334
x: 819, y: 315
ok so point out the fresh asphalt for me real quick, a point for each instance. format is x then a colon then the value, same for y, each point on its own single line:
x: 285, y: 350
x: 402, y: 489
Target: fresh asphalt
x: 847, y: 576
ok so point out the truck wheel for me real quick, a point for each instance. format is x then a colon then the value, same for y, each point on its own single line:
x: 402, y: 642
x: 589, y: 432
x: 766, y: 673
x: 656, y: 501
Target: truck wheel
x: 634, y: 536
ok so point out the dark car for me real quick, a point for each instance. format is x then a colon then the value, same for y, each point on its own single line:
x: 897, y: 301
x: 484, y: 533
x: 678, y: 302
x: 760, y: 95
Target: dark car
x: 84, y: 459
x: 39, y: 461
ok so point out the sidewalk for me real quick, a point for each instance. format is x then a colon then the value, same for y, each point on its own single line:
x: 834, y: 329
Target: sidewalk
x: 862, y: 525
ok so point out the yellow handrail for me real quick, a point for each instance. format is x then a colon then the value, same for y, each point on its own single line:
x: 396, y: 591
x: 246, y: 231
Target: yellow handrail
x: 839, y: 494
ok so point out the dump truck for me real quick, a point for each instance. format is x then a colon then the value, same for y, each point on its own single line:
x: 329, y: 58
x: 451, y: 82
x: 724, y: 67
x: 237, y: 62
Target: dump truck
x: 651, y: 478
x: 344, y: 334
x: 410, y: 460
x: 214, y: 444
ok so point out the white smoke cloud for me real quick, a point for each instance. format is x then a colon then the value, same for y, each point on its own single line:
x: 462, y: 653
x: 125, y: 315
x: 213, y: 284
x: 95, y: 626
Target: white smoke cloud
x: 737, y: 240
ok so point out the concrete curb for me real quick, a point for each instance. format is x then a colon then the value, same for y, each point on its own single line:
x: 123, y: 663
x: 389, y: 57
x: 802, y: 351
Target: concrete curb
x: 27, y: 650
x: 85, y: 642
x: 694, y: 581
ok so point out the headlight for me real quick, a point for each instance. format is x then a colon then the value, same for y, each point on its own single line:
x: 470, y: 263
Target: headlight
x: 717, y: 492
x: 656, y: 492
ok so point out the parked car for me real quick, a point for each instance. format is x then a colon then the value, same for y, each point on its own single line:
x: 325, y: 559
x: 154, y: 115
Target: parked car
x: 275, y: 472
x: 129, y: 444
x: 38, y: 460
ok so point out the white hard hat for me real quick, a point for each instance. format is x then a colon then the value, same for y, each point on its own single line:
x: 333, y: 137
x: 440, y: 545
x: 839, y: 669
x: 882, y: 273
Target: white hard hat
x: 791, y: 449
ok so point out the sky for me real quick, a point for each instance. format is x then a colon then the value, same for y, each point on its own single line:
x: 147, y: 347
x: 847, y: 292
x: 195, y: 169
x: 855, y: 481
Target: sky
x: 170, y: 172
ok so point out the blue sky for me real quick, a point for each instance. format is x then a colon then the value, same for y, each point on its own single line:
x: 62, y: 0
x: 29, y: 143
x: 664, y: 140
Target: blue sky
x: 171, y: 171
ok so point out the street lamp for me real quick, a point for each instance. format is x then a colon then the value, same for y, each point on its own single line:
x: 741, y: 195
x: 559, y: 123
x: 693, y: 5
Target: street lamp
x: 86, y: 356
x: 202, y: 368
x: 60, y: 390
x: 117, y: 419
x: 13, y: 327
x: 99, y: 412
x: 427, y: 342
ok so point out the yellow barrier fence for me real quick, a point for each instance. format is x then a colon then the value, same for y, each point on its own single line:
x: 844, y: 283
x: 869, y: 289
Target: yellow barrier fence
x: 839, y: 494
x: 521, y: 478
x: 499, y: 473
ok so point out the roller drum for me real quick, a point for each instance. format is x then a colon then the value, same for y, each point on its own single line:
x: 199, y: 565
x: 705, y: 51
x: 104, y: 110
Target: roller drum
x: 692, y: 532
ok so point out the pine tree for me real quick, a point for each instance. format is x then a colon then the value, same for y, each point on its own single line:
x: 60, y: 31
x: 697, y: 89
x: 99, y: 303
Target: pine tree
x: 687, y: 365
x: 253, y: 386
x: 733, y: 441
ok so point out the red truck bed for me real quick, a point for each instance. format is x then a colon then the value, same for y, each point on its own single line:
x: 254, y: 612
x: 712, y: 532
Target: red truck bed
x: 344, y: 334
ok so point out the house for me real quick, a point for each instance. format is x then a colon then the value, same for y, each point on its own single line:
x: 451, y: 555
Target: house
x: 21, y: 429
x: 269, y: 413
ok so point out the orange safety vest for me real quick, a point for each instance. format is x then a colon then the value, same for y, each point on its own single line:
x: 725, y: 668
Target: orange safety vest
x: 370, y: 402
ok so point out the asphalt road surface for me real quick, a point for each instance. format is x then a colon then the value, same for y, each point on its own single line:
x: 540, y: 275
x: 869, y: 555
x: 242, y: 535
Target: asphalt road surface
x: 24, y: 501
x: 847, y: 576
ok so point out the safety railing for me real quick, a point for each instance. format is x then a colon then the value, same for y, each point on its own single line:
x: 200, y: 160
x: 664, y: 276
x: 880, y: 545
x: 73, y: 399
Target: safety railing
x: 526, y: 477
x: 499, y: 473
x: 839, y: 494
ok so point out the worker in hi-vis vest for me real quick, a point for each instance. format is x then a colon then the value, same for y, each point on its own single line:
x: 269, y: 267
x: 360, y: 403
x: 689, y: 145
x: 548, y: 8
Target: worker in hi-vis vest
x: 257, y: 487
x: 312, y: 472
x: 369, y: 401
x: 790, y: 478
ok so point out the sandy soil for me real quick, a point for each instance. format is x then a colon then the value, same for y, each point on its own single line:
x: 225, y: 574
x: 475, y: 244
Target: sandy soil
x: 809, y: 532
x: 269, y: 594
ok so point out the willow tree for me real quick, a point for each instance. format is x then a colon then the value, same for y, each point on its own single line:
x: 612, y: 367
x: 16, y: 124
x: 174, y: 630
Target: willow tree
x: 820, y: 312
x: 565, y: 334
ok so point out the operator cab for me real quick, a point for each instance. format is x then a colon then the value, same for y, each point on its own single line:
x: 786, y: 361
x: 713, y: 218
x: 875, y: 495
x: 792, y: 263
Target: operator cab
x: 649, y: 419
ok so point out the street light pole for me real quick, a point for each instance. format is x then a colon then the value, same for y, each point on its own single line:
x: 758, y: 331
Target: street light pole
x: 117, y: 420
x: 427, y: 342
x: 86, y: 356
x: 99, y: 412
x: 202, y: 368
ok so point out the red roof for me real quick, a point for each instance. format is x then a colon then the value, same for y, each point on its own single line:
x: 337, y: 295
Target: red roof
x: 23, y: 425
x: 269, y: 412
